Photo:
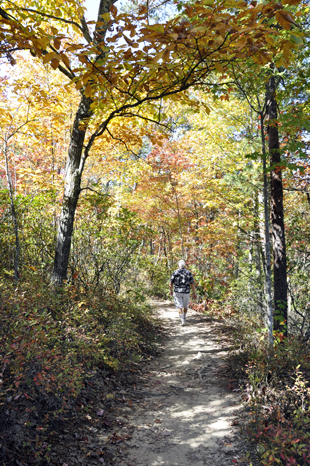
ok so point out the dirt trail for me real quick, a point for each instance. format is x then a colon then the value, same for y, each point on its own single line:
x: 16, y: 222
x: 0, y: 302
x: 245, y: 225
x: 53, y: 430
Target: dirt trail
x: 186, y: 414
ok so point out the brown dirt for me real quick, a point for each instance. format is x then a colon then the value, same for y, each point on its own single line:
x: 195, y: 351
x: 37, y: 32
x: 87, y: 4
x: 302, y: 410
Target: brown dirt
x: 187, y: 409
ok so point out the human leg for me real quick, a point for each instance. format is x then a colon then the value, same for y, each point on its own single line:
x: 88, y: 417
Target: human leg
x: 178, y: 301
x: 185, y: 304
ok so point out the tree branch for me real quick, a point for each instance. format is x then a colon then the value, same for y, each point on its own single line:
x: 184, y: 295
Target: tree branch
x: 61, y: 68
x: 94, y: 191
x: 298, y: 190
x: 6, y: 16
x: 85, y: 30
x: 124, y: 143
x: 57, y: 18
x: 147, y: 119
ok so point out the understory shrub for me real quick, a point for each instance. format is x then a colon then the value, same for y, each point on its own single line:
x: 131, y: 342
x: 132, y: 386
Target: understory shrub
x: 52, y: 343
x: 155, y: 276
x: 275, y: 390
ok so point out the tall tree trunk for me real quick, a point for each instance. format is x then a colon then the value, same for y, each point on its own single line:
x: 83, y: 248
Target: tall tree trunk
x: 76, y: 159
x: 13, y: 210
x: 267, y: 243
x: 74, y: 169
x: 277, y: 212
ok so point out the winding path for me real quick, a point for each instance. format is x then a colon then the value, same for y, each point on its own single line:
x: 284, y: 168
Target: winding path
x: 187, y: 411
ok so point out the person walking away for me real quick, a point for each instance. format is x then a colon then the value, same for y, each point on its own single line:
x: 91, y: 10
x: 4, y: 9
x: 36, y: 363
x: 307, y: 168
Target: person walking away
x: 180, y: 284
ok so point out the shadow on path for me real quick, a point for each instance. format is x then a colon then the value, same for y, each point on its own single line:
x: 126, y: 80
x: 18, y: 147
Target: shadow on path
x: 186, y: 415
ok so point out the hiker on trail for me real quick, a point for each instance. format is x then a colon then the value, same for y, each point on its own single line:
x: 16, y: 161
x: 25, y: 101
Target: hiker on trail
x: 180, y: 283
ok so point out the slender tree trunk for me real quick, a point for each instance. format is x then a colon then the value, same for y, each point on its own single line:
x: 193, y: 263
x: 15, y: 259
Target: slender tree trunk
x: 267, y: 243
x: 74, y: 169
x: 258, y: 264
x: 236, y: 269
x: 179, y: 221
x: 13, y: 211
x: 165, y: 251
x: 277, y: 211
x: 159, y: 249
x: 257, y: 245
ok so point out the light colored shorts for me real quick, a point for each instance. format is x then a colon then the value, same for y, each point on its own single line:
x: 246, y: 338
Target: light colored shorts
x: 181, y: 300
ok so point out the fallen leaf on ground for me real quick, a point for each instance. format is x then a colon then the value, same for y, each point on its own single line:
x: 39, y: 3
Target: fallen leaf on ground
x: 117, y: 438
x: 107, y: 422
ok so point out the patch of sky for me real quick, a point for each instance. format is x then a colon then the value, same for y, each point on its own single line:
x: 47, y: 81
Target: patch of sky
x: 159, y: 10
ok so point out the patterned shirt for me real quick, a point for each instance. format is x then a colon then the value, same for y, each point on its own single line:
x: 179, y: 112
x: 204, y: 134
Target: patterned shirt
x: 181, y: 280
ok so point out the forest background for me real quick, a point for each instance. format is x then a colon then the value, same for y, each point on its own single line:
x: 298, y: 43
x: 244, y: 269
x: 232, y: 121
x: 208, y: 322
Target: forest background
x: 161, y: 131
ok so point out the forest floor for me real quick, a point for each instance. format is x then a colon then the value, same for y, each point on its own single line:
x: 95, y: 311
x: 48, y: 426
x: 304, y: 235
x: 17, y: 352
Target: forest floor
x: 188, y: 409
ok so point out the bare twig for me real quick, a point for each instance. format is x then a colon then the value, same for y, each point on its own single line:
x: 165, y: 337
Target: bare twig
x: 94, y: 191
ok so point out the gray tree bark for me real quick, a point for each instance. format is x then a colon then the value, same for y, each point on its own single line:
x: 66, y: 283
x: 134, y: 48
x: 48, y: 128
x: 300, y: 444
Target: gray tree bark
x: 277, y: 211
x: 74, y: 169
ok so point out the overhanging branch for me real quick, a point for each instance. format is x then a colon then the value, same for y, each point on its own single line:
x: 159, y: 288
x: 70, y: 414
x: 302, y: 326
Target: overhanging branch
x: 147, y: 119
x: 57, y: 18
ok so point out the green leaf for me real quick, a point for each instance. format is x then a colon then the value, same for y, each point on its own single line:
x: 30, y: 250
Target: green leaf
x: 296, y: 39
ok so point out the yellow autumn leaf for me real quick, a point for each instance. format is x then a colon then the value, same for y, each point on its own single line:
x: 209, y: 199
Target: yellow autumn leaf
x: 48, y: 57
x: 88, y: 90
x: 105, y: 17
x: 218, y: 67
x: 57, y: 43
x: 74, y: 47
x: 291, y: 2
x: 113, y: 10
x: 129, y: 42
x: 85, y: 78
x: 166, y: 55
x: 65, y: 59
x: 55, y: 63
x: 284, y: 19
x: 157, y: 57
x: 78, y: 85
